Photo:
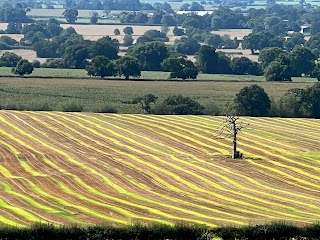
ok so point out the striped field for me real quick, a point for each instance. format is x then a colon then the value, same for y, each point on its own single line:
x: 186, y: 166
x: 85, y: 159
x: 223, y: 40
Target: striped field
x: 87, y: 168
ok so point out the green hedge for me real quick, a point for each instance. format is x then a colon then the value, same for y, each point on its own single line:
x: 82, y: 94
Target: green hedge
x: 270, y: 231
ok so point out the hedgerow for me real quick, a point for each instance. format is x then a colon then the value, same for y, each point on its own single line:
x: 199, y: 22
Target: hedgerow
x: 268, y: 231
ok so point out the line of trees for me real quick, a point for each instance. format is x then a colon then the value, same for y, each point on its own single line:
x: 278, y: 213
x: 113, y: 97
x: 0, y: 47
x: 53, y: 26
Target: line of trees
x: 251, y: 101
x: 49, y: 40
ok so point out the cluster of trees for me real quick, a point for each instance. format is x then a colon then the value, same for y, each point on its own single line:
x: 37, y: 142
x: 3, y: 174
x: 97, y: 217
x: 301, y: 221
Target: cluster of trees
x: 49, y: 40
x: 250, y: 101
x: 172, y: 105
x: 18, y: 65
x: 194, y: 6
x: 15, y: 14
x: 129, y: 5
x: 254, y: 101
x: 280, y: 65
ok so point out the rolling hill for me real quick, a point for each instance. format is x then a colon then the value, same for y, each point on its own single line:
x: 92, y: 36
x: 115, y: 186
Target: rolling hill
x: 87, y: 168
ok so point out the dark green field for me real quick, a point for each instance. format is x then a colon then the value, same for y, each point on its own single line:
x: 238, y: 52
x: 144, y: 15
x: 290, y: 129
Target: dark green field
x: 94, y: 94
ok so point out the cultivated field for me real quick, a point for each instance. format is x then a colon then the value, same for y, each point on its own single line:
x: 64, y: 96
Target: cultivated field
x: 94, y: 94
x: 118, y: 169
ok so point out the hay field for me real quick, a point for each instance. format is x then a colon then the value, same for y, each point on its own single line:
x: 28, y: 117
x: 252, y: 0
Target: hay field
x: 232, y: 33
x: 83, y: 168
x: 94, y: 32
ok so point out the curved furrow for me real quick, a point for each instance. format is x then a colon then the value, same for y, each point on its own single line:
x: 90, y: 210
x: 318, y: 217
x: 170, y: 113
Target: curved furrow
x: 95, y: 191
x: 123, y: 153
x: 10, y: 219
x: 283, y: 205
x: 131, y: 122
x: 34, y: 204
x: 286, y: 131
x: 163, y: 129
x: 157, y: 178
x: 173, y: 136
x: 299, y: 143
x: 151, y: 169
x: 223, y: 197
x: 265, y: 152
x: 90, y: 170
x: 97, y: 213
x: 205, y: 124
x: 315, y: 207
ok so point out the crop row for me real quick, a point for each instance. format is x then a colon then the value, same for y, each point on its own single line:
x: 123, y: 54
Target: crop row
x: 101, y: 168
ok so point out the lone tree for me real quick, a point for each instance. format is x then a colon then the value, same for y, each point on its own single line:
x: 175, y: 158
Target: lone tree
x: 70, y: 15
x: 231, y: 128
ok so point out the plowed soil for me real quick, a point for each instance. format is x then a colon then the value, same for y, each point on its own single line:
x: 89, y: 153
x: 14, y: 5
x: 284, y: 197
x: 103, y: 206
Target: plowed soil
x: 87, y: 168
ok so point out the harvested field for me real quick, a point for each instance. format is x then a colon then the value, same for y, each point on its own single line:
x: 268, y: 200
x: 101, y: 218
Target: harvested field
x: 94, y: 32
x: 100, y: 168
x: 24, y: 53
x: 16, y: 37
x: 233, y: 33
x: 239, y: 53
x: 3, y: 26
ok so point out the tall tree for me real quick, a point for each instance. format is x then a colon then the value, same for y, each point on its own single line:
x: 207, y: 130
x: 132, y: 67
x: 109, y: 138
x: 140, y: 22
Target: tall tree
x: 302, y: 60
x: 105, y: 46
x: 252, y: 101
x: 128, y: 66
x: 70, y: 15
x: 149, y: 55
x: 231, y: 128
x: 146, y: 101
x: 244, y: 66
x: 76, y: 56
x: 180, y: 67
x: 279, y: 69
x: 101, y: 66
x: 94, y: 17
x: 268, y: 55
x: 311, y: 100
x: 207, y: 59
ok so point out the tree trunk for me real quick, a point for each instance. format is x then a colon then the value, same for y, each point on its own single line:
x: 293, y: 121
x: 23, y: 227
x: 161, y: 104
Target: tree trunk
x: 235, y: 153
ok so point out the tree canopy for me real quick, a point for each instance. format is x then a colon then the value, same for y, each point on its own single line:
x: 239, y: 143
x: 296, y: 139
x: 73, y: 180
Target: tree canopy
x: 149, y: 55
x: 23, y: 67
x: 180, y: 67
x: 101, y: 66
x: 252, y: 101
x: 128, y: 66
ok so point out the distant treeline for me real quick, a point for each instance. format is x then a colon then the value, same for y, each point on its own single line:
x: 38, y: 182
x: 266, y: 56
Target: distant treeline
x: 270, y: 231
x: 129, y: 5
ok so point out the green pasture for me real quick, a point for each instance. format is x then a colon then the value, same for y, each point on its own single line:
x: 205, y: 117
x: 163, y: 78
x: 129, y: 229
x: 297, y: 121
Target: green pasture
x: 94, y: 94
x: 145, y: 75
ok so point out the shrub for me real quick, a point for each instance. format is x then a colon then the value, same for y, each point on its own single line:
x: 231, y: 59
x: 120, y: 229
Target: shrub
x: 312, y: 231
x: 180, y: 105
x: 211, y: 108
x: 36, y: 64
x: 37, y: 105
x: 53, y: 63
x: 70, y: 107
x: 107, y: 109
